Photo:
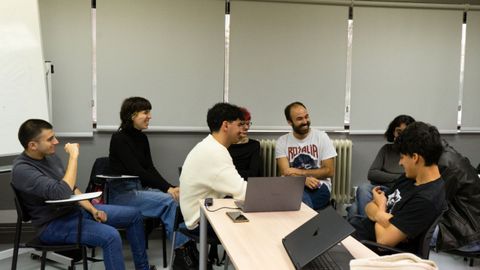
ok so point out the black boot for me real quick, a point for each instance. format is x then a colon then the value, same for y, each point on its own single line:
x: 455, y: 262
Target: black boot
x: 193, y: 251
x: 184, y: 260
x: 190, y: 248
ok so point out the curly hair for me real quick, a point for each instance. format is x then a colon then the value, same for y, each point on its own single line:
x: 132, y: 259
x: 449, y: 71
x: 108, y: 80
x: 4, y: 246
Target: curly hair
x: 396, y: 122
x: 422, y: 139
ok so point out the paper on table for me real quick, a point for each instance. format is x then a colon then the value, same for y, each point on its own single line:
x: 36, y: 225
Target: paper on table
x: 80, y: 197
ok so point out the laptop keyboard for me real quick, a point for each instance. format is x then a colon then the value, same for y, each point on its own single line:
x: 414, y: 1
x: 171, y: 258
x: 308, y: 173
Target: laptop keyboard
x: 323, y: 262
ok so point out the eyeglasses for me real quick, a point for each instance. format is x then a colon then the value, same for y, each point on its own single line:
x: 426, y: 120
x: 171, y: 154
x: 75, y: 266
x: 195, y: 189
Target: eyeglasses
x: 247, y: 123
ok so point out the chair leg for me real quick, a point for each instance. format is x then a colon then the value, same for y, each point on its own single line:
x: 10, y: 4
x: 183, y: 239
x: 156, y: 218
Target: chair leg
x: 43, y: 260
x: 84, y: 258
x: 148, y: 228
x: 72, y: 265
x: 213, y: 254
x: 471, y: 262
x: 15, y: 256
x: 227, y: 261
x: 224, y: 257
x: 16, y: 243
x: 172, y: 252
x: 164, y: 244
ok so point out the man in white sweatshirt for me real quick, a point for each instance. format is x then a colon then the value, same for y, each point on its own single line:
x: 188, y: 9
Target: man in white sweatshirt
x: 208, y: 170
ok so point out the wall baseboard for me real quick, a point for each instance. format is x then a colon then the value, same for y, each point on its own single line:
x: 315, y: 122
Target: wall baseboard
x: 7, y: 232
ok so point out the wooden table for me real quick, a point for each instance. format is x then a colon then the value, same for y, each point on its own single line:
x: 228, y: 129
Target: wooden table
x: 257, y: 244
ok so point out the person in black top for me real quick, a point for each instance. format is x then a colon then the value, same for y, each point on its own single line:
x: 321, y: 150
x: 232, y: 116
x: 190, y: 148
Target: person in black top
x: 246, y: 153
x: 130, y: 155
x: 150, y: 192
x: 399, y: 217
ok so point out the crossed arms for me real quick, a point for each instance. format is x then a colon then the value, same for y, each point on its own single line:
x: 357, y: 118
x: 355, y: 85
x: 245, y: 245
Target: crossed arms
x: 313, y: 175
x: 385, y: 232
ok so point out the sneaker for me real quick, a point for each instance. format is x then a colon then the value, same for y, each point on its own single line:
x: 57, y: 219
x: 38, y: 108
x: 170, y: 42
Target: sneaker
x: 183, y: 260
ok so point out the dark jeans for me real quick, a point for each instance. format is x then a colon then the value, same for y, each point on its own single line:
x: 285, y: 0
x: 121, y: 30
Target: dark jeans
x: 64, y: 230
x: 316, y: 198
x: 151, y: 202
x: 364, y: 228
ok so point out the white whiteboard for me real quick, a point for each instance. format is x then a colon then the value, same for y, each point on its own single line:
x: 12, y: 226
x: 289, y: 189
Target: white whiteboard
x: 284, y: 52
x: 170, y: 52
x: 71, y: 54
x: 23, y: 91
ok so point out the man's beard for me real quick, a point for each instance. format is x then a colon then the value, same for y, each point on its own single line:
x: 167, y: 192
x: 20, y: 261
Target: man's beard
x: 299, y: 130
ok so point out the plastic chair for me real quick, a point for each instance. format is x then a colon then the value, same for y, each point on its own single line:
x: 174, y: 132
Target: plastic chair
x: 22, y: 216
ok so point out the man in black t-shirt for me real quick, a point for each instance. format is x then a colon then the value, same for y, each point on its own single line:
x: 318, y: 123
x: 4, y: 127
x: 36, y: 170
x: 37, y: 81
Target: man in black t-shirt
x: 398, y: 218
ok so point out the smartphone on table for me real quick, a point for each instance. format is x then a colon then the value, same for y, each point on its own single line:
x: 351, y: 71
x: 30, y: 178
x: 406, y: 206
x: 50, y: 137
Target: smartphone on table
x: 237, y: 217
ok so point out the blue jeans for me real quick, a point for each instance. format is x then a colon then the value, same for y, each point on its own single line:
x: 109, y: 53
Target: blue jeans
x: 64, y: 230
x: 362, y: 198
x: 151, y: 202
x: 316, y: 198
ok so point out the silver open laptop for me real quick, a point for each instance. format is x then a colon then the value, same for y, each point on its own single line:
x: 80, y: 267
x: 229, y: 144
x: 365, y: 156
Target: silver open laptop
x: 266, y: 194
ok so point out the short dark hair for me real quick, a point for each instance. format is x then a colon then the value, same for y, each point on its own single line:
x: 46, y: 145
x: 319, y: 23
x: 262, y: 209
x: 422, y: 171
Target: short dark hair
x: 396, y: 122
x: 222, y: 112
x: 288, y: 116
x: 30, y: 129
x: 423, y: 139
x: 130, y: 106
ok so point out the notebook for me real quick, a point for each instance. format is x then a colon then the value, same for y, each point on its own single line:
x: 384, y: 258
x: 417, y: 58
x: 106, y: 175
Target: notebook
x: 266, y: 194
x: 316, y: 237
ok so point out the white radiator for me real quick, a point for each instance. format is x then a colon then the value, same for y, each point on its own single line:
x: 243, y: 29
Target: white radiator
x: 269, y: 163
x: 341, y: 182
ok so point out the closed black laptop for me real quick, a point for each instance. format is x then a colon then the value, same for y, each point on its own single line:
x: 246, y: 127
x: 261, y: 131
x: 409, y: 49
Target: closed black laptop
x: 316, y: 237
